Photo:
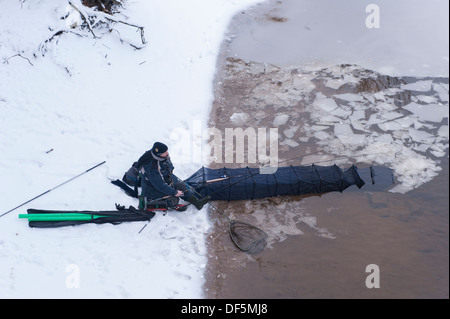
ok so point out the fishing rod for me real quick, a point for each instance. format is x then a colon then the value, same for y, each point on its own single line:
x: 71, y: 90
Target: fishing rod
x: 48, y: 191
x: 329, y: 160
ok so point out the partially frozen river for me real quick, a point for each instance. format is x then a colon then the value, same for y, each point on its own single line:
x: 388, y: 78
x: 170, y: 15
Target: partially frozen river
x: 341, y: 89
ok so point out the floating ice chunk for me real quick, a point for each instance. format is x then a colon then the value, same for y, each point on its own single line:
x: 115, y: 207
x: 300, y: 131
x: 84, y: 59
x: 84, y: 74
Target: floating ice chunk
x: 439, y: 150
x: 421, y: 86
x: 421, y: 136
x: 334, y: 83
x: 384, y: 138
x: 313, y: 158
x: 443, y: 131
x: 304, y: 139
x: 442, y: 89
x: 259, y: 115
x: 345, y: 134
x: 350, y: 79
x: 327, y: 120
x: 341, y: 112
x: 392, y: 91
x: 443, y: 97
x: 400, y: 135
x: 350, y: 97
x: 326, y: 104
x: 319, y: 127
x: 280, y: 119
x: 398, y: 124
x: 389, y: 126
x: 358, y: 126
x: 426, y: 99
x: 400, y: 188
x: 321, y: 135
x: 240, y: 118
x: 422, y: 147
x: 385, y: 107
x: 289, y: 133
x: 413, y: 170
x: 381, y: 152
x: 369, y: 97
x: 290, y: 143
x: 380, y: 96
x: 374, y: 119
x: 358, y: 114
x: 302, y: 83
x: 429, y: 112
x: 417, y: 124
x: 388, y: 116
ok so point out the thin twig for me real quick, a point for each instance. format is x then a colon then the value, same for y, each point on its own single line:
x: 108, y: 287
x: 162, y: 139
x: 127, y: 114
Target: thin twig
x: 19, y: 55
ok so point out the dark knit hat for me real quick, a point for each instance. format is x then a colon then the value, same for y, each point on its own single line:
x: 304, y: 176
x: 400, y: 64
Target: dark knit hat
x: 159, y: 148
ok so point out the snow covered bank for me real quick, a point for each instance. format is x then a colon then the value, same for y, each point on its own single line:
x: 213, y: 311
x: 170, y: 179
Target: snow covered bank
x: 72, y: 102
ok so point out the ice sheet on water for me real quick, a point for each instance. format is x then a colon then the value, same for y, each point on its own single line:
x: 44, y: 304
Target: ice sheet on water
x: 420, y: 86
x: 443, y: 131
x: 341, y: 112
x: 427, y: 99
x: 346, y: 110
x: 389, y: 116
x: 350, y: 97
x: 442, y: 90
x: 421, y: 136
x: 280, y: 119
x: 396, y: 125
x: 428, y: 112
x: 345, y: 133
x: 289, y: 142
x: 334, y: 83
x: 406, y: 138
x: 290, y: 132
x: 325, y: 103
x: 320, y: 135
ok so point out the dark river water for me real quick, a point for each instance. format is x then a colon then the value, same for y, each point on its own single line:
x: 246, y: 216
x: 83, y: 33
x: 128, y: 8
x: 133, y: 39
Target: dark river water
x: 327, y: 246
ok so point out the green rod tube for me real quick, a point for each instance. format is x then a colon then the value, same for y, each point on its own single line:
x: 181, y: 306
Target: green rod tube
x: 59, y: 217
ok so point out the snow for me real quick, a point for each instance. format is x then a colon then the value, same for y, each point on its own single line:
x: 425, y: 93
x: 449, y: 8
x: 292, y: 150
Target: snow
x: 75, y: 101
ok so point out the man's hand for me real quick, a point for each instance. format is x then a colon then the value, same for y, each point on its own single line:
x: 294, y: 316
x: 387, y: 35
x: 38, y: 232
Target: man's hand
x: 179, y: 193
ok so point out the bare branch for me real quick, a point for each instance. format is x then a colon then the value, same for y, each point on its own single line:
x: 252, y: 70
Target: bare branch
x: 19, y: 55
x: 102, y: 15
x: 85, y: 18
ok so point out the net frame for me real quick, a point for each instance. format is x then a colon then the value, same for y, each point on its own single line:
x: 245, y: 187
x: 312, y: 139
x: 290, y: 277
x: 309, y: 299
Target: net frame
x: 247, y: 237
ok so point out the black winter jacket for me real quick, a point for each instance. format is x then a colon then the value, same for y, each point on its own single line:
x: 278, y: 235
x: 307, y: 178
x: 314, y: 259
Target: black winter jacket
x: 157, y: 177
